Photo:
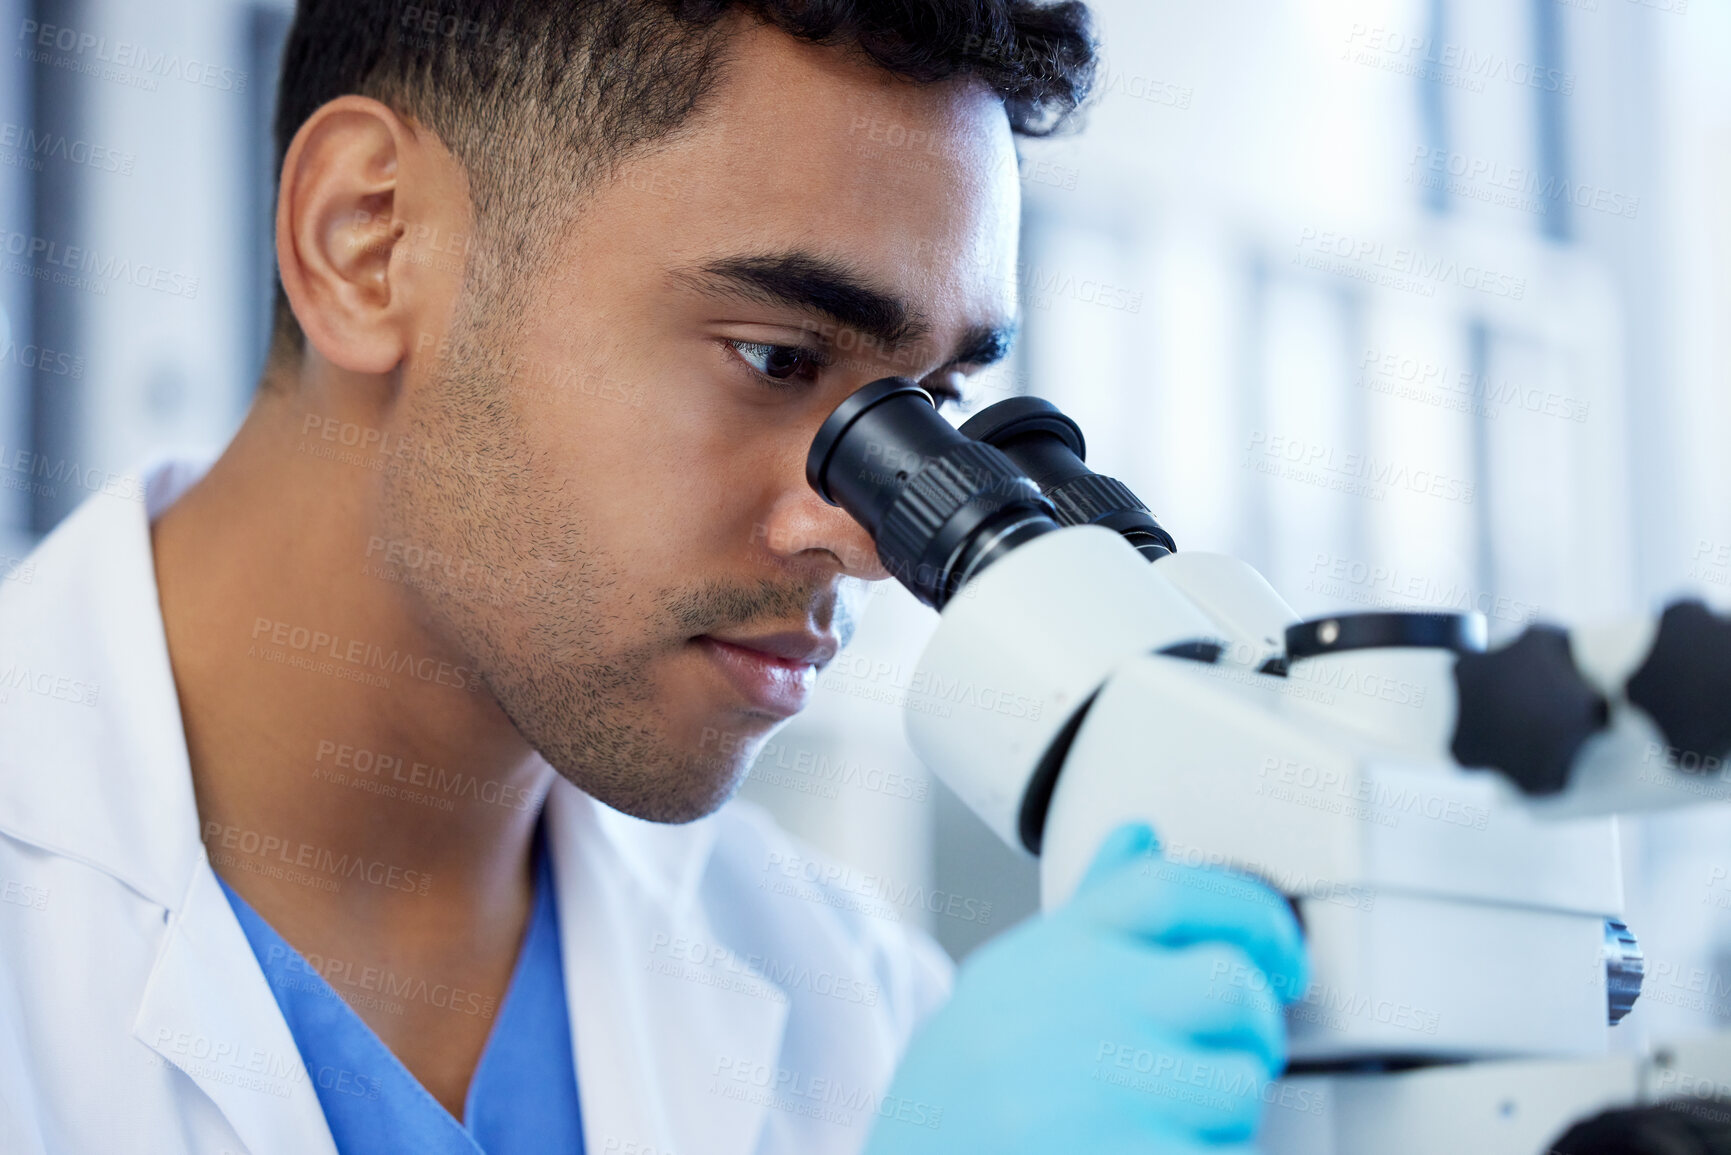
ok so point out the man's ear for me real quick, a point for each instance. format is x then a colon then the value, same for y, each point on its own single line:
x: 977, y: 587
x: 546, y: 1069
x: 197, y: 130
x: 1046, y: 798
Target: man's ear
x: 340, y: 227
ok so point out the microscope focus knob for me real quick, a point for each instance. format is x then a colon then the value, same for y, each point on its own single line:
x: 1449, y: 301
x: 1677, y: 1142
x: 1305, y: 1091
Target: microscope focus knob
x: 1685, y: 682
x: 1625, y: 967
x: 1526, y: 710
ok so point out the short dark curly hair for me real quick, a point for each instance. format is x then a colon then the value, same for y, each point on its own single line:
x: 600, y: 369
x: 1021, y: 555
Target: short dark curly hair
x: 498, y: 80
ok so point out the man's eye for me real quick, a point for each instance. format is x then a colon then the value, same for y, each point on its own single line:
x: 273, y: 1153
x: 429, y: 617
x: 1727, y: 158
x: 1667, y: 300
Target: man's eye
x: 779, y: 362
x: 944, y: 398
x: 946, y: 389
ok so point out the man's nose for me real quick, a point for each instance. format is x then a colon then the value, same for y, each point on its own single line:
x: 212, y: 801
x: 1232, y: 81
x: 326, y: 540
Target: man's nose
x: 804, y: 526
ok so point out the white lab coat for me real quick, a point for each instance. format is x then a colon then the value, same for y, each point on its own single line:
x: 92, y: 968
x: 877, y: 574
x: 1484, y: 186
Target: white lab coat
x: 135, y: 1018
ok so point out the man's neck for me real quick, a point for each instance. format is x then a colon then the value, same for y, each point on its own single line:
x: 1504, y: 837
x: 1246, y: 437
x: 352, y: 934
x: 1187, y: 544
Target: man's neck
x: 356, y: 784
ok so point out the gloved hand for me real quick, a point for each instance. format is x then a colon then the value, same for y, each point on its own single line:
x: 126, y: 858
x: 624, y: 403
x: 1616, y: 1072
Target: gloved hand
x: 1133, y: 1019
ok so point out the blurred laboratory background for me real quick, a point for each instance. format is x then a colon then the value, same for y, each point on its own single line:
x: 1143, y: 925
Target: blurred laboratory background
x: 1406, y: 302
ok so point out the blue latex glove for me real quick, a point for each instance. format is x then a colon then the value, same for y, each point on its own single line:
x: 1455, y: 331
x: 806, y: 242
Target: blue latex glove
x: 1143, y: 1016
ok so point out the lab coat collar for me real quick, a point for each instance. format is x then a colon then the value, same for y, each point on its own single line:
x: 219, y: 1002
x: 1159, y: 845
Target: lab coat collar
x: 208, y: 1009
x: 109, y: 782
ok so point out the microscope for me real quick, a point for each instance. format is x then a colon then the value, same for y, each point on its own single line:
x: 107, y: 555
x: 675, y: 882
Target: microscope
x: 1441, y: 815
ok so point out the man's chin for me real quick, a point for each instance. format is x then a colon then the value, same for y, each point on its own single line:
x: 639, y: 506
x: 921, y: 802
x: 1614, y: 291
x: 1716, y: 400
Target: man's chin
x: 672, y: 790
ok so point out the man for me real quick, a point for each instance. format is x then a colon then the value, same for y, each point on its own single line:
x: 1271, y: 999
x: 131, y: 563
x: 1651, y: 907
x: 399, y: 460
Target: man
x: 384, y: 805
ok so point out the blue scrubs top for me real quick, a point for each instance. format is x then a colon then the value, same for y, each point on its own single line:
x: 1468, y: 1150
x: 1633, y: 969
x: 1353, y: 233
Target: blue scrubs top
x: 523, y: 1096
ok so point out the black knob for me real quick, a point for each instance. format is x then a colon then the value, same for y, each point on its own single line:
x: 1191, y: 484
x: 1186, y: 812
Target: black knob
x: 1685, y: 683
x: 1525, y: 710
x: 1680, y: 1127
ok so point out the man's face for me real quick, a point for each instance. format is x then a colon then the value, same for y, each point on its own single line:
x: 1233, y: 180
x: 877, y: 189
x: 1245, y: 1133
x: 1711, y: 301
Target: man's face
x: 621, y: 452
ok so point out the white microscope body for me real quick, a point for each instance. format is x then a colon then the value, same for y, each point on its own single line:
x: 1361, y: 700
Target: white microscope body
x: 1448, y: 916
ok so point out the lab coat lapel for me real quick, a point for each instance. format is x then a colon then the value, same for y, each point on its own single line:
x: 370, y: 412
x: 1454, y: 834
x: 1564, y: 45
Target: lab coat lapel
x: 208, y: 1010
x: 110, y: 782
x: 649, y: 1045
x: 113, y: 789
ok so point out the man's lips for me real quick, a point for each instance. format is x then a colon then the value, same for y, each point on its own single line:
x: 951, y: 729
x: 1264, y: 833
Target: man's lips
x: 774, y: 672
x: 794, y: 646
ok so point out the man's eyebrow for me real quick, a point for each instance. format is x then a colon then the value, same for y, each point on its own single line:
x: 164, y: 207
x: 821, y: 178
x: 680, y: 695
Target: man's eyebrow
x: 830, y: 288
x: 985, y: 345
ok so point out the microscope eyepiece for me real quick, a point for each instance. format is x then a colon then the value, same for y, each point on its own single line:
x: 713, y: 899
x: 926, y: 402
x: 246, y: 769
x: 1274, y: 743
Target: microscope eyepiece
x: 940, y: 506
x: 1049, y: 448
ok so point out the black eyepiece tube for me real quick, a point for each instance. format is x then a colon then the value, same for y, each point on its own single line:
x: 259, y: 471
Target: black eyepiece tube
x: 940, y: 506
x: 1048, y: 447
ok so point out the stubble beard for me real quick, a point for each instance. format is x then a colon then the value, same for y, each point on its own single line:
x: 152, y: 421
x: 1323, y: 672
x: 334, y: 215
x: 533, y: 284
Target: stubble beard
x: 576, y: 682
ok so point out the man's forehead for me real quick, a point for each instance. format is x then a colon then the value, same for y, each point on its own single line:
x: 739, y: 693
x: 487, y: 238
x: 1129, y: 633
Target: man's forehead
x: 807, y: 175
x: 800, y: 124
